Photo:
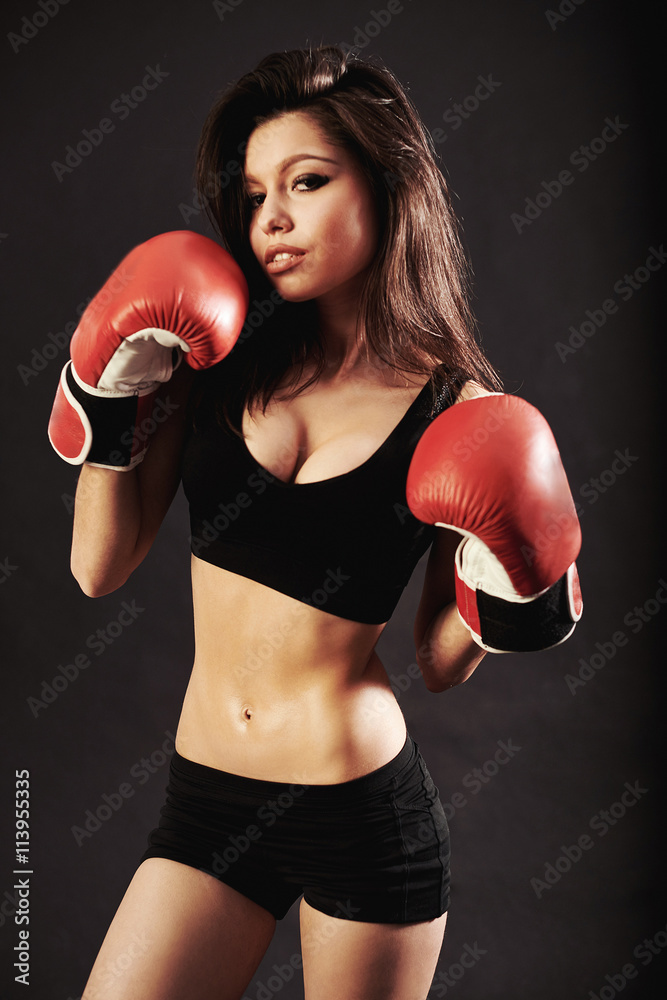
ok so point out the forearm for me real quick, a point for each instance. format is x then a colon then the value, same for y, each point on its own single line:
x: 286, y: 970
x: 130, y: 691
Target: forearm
x: 447, y: 654
x: 107, y: 521
x: 117, y: 514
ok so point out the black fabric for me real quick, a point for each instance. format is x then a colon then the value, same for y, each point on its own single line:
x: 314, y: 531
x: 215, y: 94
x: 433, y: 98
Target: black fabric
x: 112, y: 420
x: 347, y: 544
x: 373, y: 849
x: 522, y: 628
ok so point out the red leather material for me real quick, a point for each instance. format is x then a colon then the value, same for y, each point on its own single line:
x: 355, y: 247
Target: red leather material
x: 490, y: 466
x: 179, y: 281
x: 68, y: 432
x: 466, y: 602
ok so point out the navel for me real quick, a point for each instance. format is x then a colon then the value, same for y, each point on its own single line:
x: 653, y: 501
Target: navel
x: 247, y: 713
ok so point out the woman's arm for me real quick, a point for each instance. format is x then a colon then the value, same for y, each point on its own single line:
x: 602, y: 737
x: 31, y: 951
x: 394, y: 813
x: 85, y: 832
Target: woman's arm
x: 491, y: 470
x: 117, y: 514
x: 176, y: 290
x: 446, y: 653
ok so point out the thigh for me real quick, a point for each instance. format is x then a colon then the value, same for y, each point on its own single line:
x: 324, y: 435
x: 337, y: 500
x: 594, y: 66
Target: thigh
x: 177, y: 933
x: 353, y: 960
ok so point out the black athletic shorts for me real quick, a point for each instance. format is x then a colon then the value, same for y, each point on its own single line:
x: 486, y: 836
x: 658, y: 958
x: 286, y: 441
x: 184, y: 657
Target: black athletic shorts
x: 375, y: 848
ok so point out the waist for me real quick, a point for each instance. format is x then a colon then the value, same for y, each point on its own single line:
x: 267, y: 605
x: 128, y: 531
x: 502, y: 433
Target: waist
x: 282, y: 690
x: 251, y: 629
x: 359, y: 788
x: 316, y: 729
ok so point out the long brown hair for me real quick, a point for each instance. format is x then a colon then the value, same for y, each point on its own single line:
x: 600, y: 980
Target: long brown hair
x: 414, y: 309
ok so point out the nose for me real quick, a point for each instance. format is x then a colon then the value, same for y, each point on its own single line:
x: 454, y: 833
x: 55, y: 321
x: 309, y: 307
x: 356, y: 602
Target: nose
x: 273, y: 216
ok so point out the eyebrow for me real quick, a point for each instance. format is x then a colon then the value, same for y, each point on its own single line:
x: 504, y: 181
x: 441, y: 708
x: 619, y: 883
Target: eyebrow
x: 285, y: 164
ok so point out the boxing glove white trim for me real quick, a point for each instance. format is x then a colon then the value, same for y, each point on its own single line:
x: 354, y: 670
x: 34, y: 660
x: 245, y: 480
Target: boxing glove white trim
x: 106, y: 393
x: 480, y: 569
x: 575, y: 604
x: 78, y: 410
x: 136, y: 460
x: 154, y: 361
x: 480, y: 577
x: 81, y: 414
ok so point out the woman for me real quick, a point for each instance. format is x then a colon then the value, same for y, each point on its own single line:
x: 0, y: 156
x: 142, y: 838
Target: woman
x: 293, y: 771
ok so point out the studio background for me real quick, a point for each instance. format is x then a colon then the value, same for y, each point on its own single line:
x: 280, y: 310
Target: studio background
x: 581, y: 720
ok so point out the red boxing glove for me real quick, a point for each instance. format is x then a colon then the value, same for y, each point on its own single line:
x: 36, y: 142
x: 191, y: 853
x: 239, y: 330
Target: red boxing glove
x: 489, y: 468
x: 177, y: 294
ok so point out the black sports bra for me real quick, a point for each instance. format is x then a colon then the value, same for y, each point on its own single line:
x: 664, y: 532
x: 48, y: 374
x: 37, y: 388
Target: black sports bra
x: 347, y: 545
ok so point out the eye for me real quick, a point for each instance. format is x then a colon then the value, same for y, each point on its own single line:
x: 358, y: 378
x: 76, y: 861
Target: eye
x: 304, y: 184
x: 309, y: 182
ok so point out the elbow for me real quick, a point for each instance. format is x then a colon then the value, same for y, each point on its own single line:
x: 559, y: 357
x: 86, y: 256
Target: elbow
x: 443, y: 677
x: 436, y: 681
x: 436, y: 685
x: 90, y: 589
x: 433, y: 685
x: 94, y: 584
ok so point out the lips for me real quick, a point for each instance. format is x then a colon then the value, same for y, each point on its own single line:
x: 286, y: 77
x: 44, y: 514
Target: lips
x: 282, y: 257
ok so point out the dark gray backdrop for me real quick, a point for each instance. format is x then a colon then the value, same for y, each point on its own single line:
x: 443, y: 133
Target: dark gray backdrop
x: 543, y: 918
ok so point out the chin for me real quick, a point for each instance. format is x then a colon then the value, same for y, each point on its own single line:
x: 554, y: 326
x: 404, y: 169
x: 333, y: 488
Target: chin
x: 292, y: 296
x: 299, y: 298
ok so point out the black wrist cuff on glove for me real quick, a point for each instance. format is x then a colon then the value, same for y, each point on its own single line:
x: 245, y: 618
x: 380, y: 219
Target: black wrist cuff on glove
x: 113, y: 421
x: 526, y: 627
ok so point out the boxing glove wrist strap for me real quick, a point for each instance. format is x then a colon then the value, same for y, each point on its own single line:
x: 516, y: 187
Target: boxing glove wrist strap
x: 105, y: 424
x: 501, y: 620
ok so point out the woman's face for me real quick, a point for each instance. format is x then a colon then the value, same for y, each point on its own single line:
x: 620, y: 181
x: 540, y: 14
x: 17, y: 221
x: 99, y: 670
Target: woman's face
x: 313, y: 226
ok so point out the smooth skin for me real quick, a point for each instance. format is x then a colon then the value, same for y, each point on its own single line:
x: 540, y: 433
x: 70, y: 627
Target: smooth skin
x: 314, y: 703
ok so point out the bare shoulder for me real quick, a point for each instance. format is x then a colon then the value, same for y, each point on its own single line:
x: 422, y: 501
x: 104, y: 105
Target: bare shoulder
x: 471, y: 390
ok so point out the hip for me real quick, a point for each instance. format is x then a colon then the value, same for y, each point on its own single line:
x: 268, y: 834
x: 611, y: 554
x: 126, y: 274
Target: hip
x: 379, y: 841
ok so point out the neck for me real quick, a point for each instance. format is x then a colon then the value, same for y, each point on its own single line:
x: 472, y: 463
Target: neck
x: 338, y: 319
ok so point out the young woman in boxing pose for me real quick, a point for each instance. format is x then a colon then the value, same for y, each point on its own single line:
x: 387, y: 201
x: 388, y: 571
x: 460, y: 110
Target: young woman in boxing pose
x: 317, y: 454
